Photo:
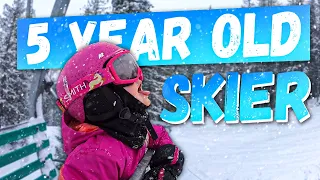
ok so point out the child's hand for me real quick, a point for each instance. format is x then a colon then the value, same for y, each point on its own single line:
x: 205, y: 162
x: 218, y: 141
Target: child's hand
x: 162, y: 173
x: 167, y: 155
x: 166, y: 163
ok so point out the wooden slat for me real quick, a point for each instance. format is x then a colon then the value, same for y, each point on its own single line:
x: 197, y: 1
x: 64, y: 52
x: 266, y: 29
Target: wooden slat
x: 52, y: 174
x: 22, y: 152
x: 24, y: 171
x: 21, y: 133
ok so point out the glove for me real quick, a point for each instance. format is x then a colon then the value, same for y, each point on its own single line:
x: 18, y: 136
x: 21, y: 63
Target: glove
x: 167, y: 155
x: 166, y: 172
x: 166, y: 163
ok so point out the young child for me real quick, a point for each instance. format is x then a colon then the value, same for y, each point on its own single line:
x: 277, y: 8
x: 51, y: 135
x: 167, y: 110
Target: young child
x: 105, y: 127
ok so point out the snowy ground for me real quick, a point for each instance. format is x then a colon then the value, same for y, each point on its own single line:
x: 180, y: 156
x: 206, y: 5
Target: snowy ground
x: 249, y: 151
x: 255, y: 151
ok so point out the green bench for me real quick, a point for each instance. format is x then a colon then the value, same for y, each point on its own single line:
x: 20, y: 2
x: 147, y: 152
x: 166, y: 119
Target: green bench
x: 25, y: 152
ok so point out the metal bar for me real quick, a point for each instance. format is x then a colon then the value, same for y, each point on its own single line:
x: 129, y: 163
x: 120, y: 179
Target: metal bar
x: 59, y: 9
x: 12, y: 126
x: 29, y: 9
x: 142, y: 166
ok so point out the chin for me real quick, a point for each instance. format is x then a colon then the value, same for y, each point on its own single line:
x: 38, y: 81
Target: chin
x: 147, y: 102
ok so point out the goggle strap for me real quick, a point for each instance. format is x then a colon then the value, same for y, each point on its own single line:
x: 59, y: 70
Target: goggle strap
x: 60, y: 105
x: 86, y: 84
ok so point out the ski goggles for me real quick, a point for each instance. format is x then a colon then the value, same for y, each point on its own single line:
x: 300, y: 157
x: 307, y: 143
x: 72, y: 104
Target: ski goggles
x: 124, y: 68
x: 120, y: 69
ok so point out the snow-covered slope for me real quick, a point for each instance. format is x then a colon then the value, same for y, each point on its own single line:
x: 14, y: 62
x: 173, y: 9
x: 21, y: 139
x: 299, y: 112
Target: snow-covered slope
x: 251, y: 151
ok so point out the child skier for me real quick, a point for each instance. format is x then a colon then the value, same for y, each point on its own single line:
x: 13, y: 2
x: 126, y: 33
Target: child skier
x: 105, y: 127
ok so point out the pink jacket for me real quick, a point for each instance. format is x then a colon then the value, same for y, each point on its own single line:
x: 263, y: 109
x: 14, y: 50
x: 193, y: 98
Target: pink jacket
x: 93, y: 154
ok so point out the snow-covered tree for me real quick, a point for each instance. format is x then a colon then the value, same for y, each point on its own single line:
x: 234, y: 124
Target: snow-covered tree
x: 14, y: 83
x: 262, y: 3
x: 131, y: 6
x: 315, y: 47
x: 96, y: 7
x: 268, y: 3
x: 248, y: 3
x: 296, y: 2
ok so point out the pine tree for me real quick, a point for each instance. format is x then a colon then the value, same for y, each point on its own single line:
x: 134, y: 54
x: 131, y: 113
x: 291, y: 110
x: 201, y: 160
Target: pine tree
x: 96, y: 7
x: 296, y: 2
x: 263, y: 3
x: 273, y: 3
x: 14, y: 83
x: 131, y: 6
x: 248, y: 3
x: 315, y: 47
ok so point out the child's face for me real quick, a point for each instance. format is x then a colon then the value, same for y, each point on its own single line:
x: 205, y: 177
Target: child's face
x: 136, y: 90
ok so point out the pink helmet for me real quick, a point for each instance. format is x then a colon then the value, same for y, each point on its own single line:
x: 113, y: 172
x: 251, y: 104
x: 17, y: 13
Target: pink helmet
x: 85, y: 71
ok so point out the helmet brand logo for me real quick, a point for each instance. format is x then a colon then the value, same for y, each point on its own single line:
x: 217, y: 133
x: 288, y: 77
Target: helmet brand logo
x: 101, y: 55
x: 66, y: 88
x: 98, y: 79
x: 78, y: 88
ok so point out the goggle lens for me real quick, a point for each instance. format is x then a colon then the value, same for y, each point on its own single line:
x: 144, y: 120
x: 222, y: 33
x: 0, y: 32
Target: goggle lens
x: 126, y: 67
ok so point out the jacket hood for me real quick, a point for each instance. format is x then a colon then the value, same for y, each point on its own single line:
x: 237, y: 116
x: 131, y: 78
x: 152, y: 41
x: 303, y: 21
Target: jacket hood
x: 75, y: 133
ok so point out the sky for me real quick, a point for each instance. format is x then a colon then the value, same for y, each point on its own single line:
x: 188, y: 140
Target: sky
x: 43, y: 7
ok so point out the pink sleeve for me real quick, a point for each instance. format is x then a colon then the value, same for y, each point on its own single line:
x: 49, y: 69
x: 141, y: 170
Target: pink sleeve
x: 163, y: 137
x: 91, y: 165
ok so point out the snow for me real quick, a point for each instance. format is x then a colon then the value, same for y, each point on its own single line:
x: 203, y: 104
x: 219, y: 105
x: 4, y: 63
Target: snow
x: 7, y: 148
x: 53, y: 132
x: 39, y: 109
x: 251, y: 151
x: 33, y: 175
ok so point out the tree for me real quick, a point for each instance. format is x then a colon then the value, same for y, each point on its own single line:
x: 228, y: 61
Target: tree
x: 296, y: 2
x: 131, y: 6
x: 14, y: 83
x: 248, y: 3
x: 273, y: 3
x: 315, y: 47
x: 262, y: 3
x: 268, y: 3
x: 96, y: 7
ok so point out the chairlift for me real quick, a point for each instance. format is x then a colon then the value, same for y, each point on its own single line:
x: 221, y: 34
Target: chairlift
x: 59, y: 9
